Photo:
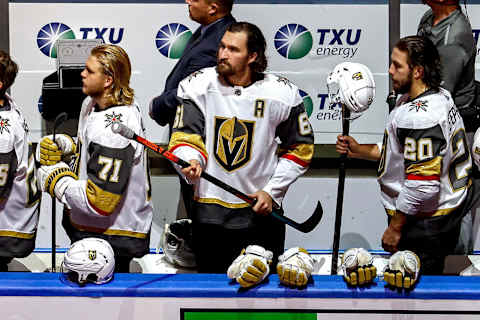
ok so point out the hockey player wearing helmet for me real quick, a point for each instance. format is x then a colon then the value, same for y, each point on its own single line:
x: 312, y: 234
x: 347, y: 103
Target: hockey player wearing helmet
x: 19, y: 195
x: 107, y: 192
x: 229, y: 123
x: 424, y: 160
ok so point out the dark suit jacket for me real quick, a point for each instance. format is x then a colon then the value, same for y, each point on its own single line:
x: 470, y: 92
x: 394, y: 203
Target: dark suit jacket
x: 200, y: 52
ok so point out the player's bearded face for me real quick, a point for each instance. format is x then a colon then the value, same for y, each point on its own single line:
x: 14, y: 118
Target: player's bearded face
x: 93, y: 78
x: 400, y: 72
x: 403, y: 85
x: 233, y: 58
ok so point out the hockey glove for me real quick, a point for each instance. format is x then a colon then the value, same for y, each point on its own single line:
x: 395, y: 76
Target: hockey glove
x: 402, y: 269
x: 358, y: 268
x: 55, y: 179
x: 251, y: 266
x: 50, y: 152
x: 295, y: 267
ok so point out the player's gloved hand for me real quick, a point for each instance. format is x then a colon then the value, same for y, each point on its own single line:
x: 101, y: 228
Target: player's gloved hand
x: 55, y: 179
x: 50, y: 152
x: 358, y: 268
x: 295, y: 267
x: 402, y: 269
x: 251, y: 266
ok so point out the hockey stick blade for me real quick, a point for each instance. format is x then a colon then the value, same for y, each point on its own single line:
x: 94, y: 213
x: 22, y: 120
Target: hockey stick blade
x: 304, y: 227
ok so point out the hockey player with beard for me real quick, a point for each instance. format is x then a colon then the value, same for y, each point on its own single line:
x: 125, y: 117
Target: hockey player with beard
x: 19, y: 196
x: 107, y: 194
x: 228, y: 124
x: 424, y: 161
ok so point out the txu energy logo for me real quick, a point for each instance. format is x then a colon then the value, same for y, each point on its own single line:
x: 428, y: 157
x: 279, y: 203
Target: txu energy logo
x: 307, y: 102
x: 48, y: 36
x: 172, y: 39
x: 50, y: 33
x: 293, y: 41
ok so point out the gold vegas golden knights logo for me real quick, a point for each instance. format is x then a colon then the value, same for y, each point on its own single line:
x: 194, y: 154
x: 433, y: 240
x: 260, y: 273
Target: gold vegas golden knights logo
x: 233, y: 142
x: 92, y: 254
x: 357, y: 76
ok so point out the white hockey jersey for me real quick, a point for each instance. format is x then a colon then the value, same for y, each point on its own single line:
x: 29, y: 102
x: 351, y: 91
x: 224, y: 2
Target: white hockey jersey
x: 235, y: 132
x: 19, y: 195
x: 425, y: 163
x: 112, y: 195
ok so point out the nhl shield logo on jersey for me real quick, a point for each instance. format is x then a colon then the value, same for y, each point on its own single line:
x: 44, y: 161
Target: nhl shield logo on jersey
x: 233, y: 142
x: 112, y: 118
x: 92, y: 254
x: 4, y: 124
x: 418, y: 105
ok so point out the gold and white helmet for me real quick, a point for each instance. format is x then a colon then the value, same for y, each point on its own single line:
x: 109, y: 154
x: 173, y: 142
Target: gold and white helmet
x: 89, y: 260
x: 352, y: 85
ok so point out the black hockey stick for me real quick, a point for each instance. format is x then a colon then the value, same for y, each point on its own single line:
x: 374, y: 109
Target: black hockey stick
x: 391, y: 100
x: 305, y: 227
x: 341, y: 187
x: 58, y: 119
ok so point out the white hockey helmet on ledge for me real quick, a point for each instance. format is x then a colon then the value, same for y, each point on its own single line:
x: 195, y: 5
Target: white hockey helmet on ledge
x: 89, y: 260
x: 352, y: 85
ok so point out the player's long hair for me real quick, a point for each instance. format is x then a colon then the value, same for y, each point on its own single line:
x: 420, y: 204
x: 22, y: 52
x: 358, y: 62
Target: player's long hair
x: 8, y: 71
x: 255, y: 44
x: 422, y: 52
x: 115, y: 63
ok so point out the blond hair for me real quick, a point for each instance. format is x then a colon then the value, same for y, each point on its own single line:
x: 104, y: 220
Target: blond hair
x: 115, y: 63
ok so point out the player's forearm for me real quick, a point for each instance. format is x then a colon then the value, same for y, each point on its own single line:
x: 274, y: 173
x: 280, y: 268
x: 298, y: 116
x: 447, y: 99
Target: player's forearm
x: 398, y: 220
x: 366, y: 152
x: 76, y: 198
x: 285, y: 174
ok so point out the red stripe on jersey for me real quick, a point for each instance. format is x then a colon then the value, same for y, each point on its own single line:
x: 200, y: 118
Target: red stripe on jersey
x: 296, y: 160
x: 417, y: 177
x: 99, y: 211
x: 191, y: 146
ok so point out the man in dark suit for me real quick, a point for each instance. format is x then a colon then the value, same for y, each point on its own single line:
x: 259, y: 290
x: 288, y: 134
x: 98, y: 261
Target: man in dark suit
x: 201, y: 52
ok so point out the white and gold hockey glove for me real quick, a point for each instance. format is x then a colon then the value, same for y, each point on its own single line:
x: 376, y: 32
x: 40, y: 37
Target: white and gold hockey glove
x: 50, y: 152
x: 295, y: 267
x: 358, y: 268
x: 251, y: 266
x: 402, y: 269
x: 55, y: 179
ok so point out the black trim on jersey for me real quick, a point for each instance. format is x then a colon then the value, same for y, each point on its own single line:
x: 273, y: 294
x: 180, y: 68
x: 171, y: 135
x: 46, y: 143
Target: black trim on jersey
x: 34, y: 194
x: 193, y: 119
x: 434, y: 133
x: 6, y: 105
x: 94, y: 168
x: 424, y: 94
x: 10, y: 159
x: 289, y: 132
x: 96, y: 108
